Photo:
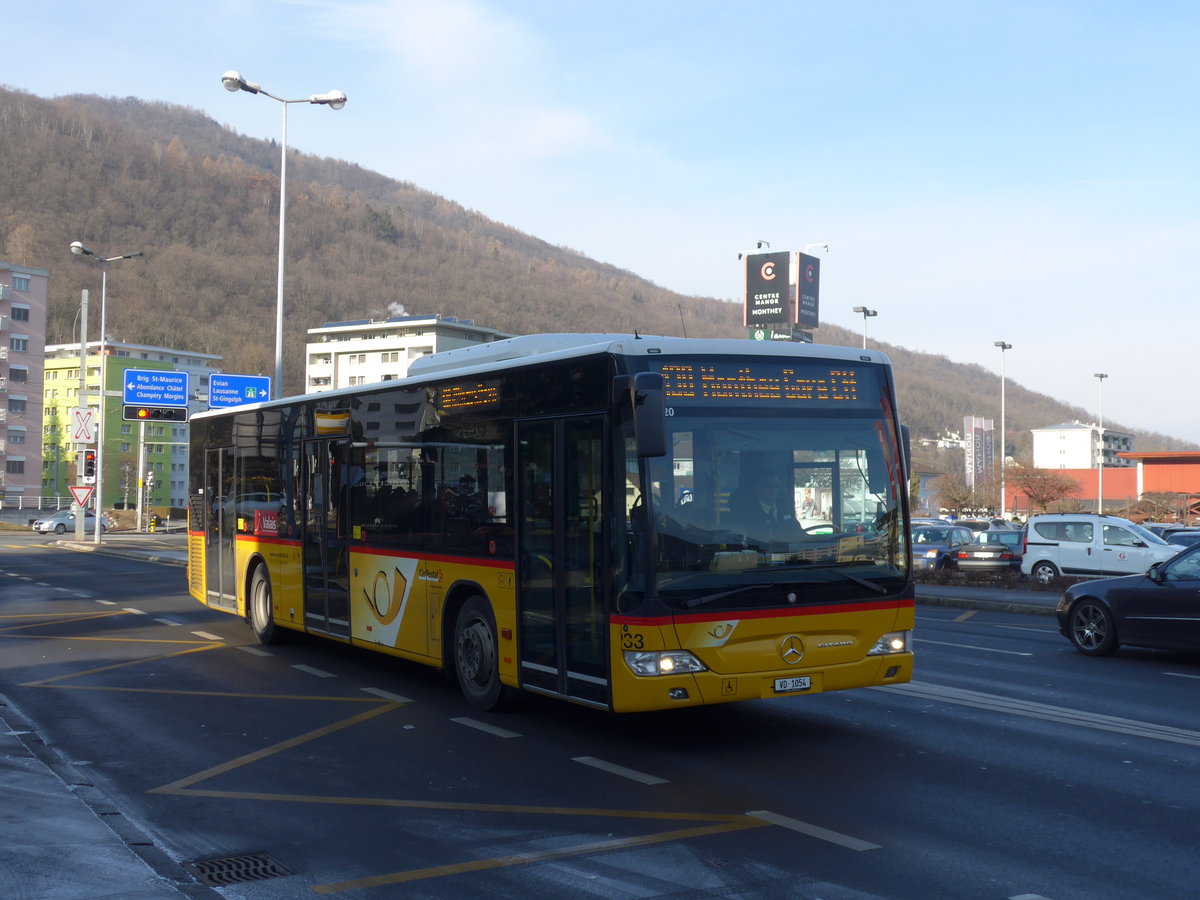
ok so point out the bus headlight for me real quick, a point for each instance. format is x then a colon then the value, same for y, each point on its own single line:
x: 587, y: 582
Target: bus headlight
x: 663, y: 662
x: 892, y: 642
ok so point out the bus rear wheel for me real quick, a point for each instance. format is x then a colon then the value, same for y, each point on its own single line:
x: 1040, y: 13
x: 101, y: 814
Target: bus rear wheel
x: 476, y: 663
x: 261, y: 619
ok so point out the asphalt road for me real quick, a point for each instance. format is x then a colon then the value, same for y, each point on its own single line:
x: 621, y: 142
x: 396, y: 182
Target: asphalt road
x: 1012, y: 766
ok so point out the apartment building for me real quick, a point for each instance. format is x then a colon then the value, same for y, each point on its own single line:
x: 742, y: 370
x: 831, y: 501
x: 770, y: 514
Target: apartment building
x: 23, y: 293
x: 347, y: 354
x: 1079, y: 445
x: 163, y: 448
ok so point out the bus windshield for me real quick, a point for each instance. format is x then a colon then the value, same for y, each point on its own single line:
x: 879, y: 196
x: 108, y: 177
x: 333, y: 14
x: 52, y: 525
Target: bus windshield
x: 755, y: 508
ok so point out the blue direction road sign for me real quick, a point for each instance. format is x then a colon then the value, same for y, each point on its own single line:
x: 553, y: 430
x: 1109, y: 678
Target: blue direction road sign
x: 235, y: 390
x: 147, y: 387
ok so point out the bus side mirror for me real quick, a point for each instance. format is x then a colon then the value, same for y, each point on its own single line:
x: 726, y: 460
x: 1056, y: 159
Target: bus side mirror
x: 649, y: 411
x: 906, y: 449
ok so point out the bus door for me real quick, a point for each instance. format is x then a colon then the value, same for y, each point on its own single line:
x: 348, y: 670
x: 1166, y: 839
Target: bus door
x: 561, y: 558
x: 326, y: 538
x: 220, y: 530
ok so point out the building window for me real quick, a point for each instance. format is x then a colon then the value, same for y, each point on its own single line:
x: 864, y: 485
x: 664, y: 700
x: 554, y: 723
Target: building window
x: 15, y: 466
x: 16, y: 435
x: 20, y: 282
x: 20, y: 312
x: 19, y: 374
x: 125, y: 447
x: 19, y: 344
x: 392, y: 356
x: 16, y: 405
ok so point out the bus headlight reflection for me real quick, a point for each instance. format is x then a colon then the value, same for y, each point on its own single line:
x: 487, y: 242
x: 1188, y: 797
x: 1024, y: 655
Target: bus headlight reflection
x: 892, y: 642
x: 663, y: 662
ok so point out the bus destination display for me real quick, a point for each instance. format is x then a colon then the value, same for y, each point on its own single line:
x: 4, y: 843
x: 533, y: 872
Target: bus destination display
x: 772, y: 381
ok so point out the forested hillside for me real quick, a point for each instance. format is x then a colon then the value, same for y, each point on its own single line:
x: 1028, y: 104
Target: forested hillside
x: 201, y: 202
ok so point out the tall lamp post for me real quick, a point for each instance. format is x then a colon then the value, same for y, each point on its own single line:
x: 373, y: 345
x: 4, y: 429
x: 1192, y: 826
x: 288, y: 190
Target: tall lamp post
x: 234, y: 82
x: 866, y: 314
x: 1100, y: 465
x: 1003, y: 433
x: 80, y: 250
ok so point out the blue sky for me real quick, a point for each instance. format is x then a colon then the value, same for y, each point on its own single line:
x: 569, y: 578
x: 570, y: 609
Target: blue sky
x: 981, y: 171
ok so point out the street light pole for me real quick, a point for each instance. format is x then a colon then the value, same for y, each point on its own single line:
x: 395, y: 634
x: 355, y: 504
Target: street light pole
x: 866, y: 314
x: 234, y: 82
x: 80, y: 250
x: 1003, y: 433
x: 1100, y: 465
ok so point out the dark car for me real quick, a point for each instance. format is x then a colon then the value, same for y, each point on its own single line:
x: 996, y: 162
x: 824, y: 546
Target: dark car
x: 993, y: 552
x: 1184, y: 538
x: 936, y: 546
x: 1160, y: 608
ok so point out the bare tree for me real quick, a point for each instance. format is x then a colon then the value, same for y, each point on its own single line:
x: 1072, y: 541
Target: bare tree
x: 1042, y: 486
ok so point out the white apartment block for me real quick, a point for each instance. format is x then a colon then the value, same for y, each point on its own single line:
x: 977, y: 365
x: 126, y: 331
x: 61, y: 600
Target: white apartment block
x: 1077, y: 445
x: 348, y: 354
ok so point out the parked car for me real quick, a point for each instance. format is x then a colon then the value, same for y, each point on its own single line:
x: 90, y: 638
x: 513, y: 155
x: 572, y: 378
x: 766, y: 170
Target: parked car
x: 64, y: 520
x: 927, y: 521
x: 1184, y: 538
x: 936, y: 546
x: 1159, y: 608
x: 1089, y: 544
x: 993, y: 552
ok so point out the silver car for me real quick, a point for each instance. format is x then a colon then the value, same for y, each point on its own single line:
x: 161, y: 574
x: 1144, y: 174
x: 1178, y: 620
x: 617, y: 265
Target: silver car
x: 64, y: 520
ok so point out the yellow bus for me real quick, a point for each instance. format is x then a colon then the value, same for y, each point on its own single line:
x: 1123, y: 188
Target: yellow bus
x: 625, y: 522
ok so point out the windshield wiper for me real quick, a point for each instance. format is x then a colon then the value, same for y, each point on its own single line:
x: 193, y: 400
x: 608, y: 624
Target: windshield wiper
x: 693, y: 602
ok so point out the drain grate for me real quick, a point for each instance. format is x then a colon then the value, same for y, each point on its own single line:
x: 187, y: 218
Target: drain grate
x: 227, y: 870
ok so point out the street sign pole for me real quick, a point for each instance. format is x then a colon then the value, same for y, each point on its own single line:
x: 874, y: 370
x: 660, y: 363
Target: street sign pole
x: 81, y: 511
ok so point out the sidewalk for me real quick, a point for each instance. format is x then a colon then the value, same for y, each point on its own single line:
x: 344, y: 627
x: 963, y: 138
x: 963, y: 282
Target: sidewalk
x: 60, y: 837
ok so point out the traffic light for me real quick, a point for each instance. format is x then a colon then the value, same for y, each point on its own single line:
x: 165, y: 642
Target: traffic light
x: 89, y: 463
x: 154, y: 413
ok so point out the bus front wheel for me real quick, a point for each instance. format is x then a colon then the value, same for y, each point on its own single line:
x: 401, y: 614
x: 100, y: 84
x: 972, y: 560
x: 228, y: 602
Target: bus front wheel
x: 475, y: 658
x: 261, y: 619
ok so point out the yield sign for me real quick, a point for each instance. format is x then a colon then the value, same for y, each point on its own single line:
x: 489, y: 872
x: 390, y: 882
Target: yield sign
x: 82, y: 493
x: 83, y: 425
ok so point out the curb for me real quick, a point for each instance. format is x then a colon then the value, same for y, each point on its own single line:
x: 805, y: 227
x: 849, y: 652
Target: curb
x: 142, y: 555
x: 1010, y: 606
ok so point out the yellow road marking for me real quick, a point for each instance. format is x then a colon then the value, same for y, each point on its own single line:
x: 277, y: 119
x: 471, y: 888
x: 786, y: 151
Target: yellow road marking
x: 966, y: 615
x: 714, y: 823
x: 522, y: 859
x: 237, y: 763
x: 122, y: 665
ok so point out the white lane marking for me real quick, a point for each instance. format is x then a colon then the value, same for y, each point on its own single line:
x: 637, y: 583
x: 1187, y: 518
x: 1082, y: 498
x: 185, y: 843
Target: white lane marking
x: 614, y: 769
x: 1060, y: 714
x: 972, y: 647
x: 386, y: 695
x: 1028, y: 897
x: 167, y: 622
x: 490, y: 729
x: 136, y: 612
x: 207, y: 636
x: 256, y: 651
x: 311, y: 671
x: 1180, y: 675
x: 824, y: 834
x: 63, y: 590
x: 106, y: 602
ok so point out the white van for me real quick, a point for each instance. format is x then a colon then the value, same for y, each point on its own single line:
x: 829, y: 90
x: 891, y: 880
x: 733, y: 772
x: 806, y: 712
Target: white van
x: 1089, y: 544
